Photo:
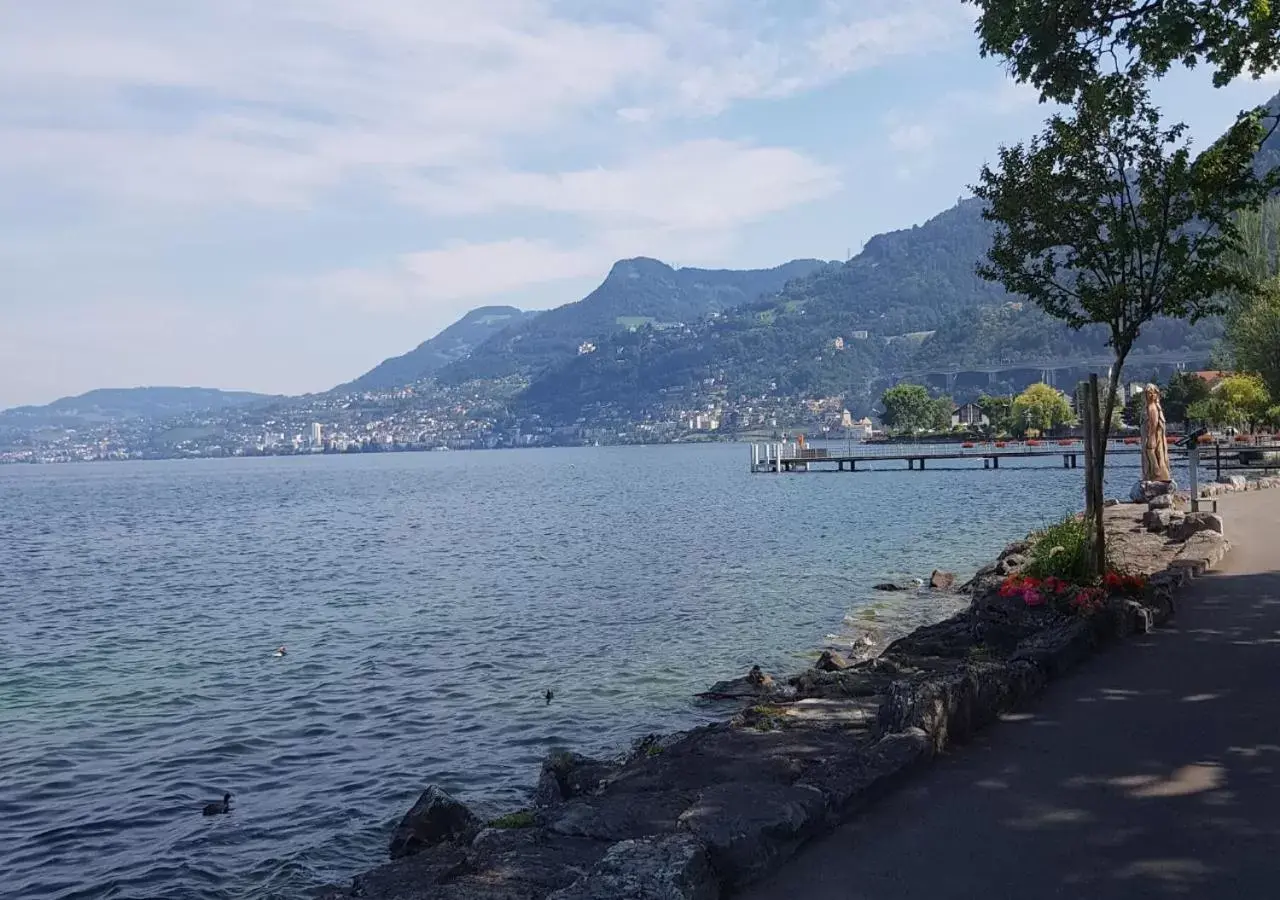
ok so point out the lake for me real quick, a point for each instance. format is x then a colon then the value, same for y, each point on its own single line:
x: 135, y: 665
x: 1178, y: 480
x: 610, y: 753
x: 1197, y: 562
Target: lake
x: 427, y: 601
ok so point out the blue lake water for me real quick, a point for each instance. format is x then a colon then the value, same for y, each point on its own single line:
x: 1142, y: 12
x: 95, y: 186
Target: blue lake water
x: 427, y: 602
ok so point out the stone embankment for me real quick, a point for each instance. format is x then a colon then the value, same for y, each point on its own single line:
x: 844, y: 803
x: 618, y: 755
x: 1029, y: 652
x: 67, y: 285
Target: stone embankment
x: 697, y: 815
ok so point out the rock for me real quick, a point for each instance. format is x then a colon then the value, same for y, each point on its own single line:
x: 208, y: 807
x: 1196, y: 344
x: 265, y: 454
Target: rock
x: 942, y: 581
x: 1239, y: 482
x: 434, y: 819
x: 671, y: 868
x: 1143, y: 491
x: 1203, y: 550
x: 1163, y: 501
x: 754, y: 685
x: 748, y: 828
x: 1159, y: 521
x: 1194, y: 523
x: 1020, y: 548
x: 1010, y: 564
x: 1111, y: 501
x: 831, y: 661
x: 567, y: 775
x: 888, y: 587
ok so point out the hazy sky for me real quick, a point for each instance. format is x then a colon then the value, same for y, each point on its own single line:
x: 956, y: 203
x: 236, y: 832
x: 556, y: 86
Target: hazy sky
x: 277, y: 194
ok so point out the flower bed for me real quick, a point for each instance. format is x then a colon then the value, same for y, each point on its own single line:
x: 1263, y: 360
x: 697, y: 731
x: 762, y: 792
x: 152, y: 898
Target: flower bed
x: 1065, y: 596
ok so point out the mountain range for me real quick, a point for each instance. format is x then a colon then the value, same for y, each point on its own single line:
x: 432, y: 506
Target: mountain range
x: 124, y: 404
x: 909, y: 302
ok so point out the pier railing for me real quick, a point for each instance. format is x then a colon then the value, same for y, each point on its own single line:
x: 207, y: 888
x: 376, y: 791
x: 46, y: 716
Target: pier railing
x: 783, y: 456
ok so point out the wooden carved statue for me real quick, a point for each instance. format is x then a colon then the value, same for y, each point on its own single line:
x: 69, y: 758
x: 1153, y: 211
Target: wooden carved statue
x: 1155, y: 448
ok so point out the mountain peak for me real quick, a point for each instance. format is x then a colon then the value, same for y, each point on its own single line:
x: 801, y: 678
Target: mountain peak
x: 639, y: 267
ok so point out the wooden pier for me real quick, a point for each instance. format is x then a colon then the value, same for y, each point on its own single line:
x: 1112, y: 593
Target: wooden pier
x: 778, y: 457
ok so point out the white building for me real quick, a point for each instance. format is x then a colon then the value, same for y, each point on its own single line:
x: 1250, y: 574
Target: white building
x: 317, y: 435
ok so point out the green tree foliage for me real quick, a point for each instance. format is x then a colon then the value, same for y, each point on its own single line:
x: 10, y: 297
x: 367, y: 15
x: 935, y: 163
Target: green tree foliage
x: 1133, y: 407
x: 1253, y: 334
x: 1095, y: 218
x: 1041, y: 408
x: 1184, y: 389
x: 909, y: 408
x: 998, y: 411
x: 943, y: 407
x: 1239, y: 401
x: 1106, y: 219
x: 1061, y: 47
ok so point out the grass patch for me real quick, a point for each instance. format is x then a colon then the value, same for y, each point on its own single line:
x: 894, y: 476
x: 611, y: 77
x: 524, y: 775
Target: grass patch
x: 1060, y: 550
x: 521, y: 819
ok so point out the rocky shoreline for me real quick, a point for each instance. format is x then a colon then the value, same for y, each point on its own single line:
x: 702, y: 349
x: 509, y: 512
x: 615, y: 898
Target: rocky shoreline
x: 697, y: 815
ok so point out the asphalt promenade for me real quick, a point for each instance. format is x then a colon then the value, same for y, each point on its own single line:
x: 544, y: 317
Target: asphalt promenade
x: 1153, y: 771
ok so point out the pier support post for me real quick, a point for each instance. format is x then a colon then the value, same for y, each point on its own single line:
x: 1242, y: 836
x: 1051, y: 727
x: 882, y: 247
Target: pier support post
x: 922, y: 464
x: 853, y: 465
x: 1066, y: 460
x: 986, y: 463
x: 995, y: 462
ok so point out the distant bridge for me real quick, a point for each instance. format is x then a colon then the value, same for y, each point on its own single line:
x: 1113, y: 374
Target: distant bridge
x: 1048, y: 368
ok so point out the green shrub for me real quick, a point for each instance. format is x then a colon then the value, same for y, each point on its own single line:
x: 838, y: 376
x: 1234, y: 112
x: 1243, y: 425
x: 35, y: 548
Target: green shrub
x: 1061, y: 551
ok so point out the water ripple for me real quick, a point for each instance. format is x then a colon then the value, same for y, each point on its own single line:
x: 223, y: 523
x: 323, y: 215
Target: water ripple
x: 427, y: 601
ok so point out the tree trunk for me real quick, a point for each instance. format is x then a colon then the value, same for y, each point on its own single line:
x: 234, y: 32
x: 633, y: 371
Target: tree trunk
x: 1094, y: 463
x: 1097, y: 433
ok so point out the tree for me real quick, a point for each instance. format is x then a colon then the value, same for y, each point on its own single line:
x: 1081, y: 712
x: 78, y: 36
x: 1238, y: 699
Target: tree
x: 1240, y: 401
x: 1214, y: 411
x: 1253, y: 333
x: 1184, y: 389
x: 943, y: 407
x: 1040, y: 407
x: 1105, y: 218
x: 997, y: 410
x: 909, y: 408
x: 1248, y: 395
x: 1133, y: 408
x: 1060, y: 47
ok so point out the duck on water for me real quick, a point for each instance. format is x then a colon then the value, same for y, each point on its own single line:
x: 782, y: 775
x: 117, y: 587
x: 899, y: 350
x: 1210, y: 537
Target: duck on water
x: 218, y: 807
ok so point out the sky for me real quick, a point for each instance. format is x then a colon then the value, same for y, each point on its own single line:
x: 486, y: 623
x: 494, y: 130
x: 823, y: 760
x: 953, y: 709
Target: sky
x: 275, y: 195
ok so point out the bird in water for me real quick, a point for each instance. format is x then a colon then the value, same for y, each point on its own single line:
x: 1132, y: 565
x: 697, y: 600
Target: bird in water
x: 550, y: 695
x: 218, y: 807
x: 280, y: 651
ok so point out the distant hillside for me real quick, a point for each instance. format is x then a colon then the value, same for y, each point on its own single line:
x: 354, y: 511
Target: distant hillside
x: 910, y: 301
x: 636, y: 293
x: 123, y: 404
x: 831, y: 332
x: 452, y: 344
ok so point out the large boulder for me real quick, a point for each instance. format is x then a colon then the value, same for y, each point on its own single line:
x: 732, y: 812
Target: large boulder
x: 889, y: 587
x: 1194, y: 523
x: 830, y: 661
x: 434, y: 819
x: 567, y: 775
x: 1163, y: 501
x: 942, y: 581
x: 754, y: 685
x: 1160, y: 521
x: 1144, y: 491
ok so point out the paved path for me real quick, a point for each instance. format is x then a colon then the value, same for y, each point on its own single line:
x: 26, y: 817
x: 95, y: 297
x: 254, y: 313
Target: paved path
x: 1152, y: 771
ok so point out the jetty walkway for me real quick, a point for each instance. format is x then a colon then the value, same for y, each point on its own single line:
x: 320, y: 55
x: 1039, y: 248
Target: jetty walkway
x: 778, y: 457
x: 1151, y: 772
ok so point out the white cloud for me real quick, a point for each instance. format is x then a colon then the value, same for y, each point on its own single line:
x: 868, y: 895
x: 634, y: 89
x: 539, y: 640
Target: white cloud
x: 706, y: 184
x: 276, y: 101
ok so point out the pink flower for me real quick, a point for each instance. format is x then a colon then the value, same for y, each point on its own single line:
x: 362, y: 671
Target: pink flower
x: 1032, y: 597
